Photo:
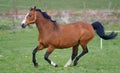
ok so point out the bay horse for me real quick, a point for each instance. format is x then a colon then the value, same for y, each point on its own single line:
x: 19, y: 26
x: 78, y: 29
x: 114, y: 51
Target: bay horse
x: 53, y: 35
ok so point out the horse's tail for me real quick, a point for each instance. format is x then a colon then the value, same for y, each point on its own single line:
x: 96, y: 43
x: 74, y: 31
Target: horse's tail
x: 100, y: 31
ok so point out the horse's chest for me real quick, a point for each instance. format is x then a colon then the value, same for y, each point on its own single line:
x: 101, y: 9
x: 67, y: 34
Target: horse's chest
x: 43, y: 41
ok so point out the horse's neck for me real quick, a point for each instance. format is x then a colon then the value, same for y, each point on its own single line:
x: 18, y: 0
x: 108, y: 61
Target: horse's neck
x: 45, y: 26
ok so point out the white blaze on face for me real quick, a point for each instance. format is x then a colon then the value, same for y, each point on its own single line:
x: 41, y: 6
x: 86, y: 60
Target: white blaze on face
x: 24, y: 20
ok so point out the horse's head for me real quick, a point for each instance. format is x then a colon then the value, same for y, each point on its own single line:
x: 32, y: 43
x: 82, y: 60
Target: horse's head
x: 30, y: 17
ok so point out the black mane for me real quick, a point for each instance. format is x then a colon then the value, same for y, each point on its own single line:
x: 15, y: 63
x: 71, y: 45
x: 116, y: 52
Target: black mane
x: 46, y: 15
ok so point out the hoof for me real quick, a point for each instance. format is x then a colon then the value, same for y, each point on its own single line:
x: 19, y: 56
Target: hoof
x: 56, y: 65
x: 75, y: 63
x: 36, y: 65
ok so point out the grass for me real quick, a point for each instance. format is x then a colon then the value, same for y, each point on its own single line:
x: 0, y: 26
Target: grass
x: 59, y: 5
x: 16, y: 50
x: 16, y: 45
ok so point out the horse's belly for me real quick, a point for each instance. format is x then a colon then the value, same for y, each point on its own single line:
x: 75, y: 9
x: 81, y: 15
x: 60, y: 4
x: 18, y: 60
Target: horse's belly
x: 66, y: 43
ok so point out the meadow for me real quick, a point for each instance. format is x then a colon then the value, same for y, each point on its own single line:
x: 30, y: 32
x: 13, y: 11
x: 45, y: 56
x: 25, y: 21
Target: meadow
x: 16, y: 48
x: 59, y: 5
x: 17, y: 44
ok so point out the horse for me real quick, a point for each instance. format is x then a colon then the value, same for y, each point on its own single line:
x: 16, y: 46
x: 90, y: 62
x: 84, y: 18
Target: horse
x: 53, y: 35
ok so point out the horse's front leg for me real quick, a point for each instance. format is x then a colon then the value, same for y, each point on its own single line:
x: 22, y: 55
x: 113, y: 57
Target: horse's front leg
x: 34, y: 57
x: 48, y: 52
x: 40, y: 47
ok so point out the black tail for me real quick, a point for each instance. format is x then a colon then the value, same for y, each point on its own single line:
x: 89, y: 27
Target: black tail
x: 100, y: 31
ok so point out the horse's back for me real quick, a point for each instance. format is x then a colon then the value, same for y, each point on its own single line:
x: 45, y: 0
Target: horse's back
x: 71, y: 34
x: 80, y: 28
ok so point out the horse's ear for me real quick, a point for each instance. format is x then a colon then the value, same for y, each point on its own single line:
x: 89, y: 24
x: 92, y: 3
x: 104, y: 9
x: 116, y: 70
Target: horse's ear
x: 34, y: 8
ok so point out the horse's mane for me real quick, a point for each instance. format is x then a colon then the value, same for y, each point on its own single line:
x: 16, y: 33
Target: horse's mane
x: 46, y: 15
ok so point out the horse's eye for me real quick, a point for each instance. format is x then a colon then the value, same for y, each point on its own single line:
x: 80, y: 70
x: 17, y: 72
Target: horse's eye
x: 30, y: 15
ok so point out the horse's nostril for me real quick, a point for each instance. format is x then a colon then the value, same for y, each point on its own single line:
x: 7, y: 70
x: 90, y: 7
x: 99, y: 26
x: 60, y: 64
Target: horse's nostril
x: 23, y: 25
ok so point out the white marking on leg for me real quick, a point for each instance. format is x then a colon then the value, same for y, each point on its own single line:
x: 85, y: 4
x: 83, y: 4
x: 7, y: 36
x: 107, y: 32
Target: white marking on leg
x: 68, y: 63
x: 52, y: 63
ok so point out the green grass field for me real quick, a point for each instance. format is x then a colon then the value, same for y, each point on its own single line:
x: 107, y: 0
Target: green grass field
x: 16, y: 45
x: 59, y: 5
x: 16, y: 48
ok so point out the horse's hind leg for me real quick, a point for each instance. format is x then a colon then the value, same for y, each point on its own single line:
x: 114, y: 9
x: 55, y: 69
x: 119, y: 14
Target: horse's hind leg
x: 48, y: 52
x: 85, y: 50
x: 74, y: 54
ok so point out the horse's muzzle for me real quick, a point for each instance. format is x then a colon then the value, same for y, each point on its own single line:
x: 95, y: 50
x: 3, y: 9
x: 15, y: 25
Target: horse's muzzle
x: 23, y: 25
